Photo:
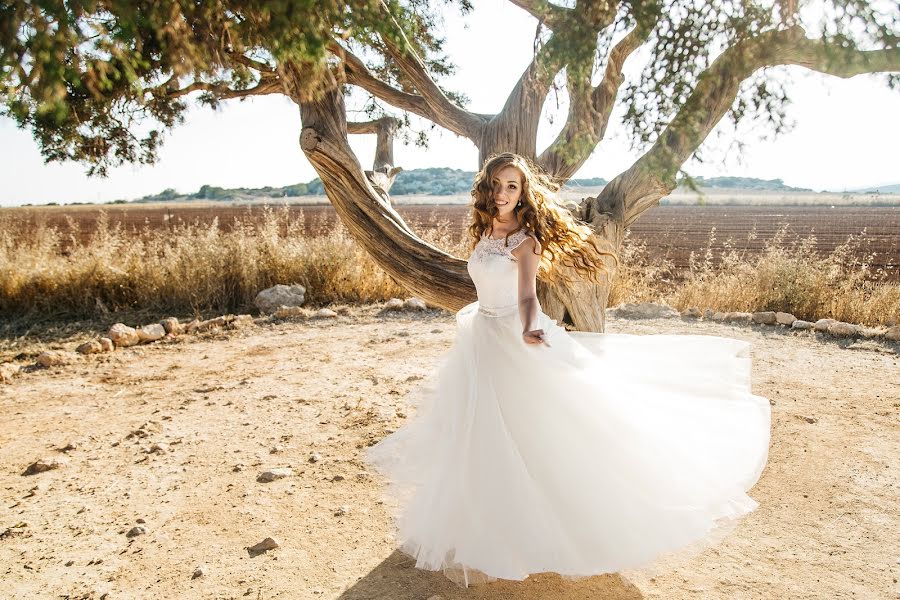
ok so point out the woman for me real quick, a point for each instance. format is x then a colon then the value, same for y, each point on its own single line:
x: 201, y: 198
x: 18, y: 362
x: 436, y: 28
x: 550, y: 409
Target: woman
x: 534, y: 449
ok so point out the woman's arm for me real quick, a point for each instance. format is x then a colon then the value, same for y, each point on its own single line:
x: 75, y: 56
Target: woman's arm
x: 528, y: 260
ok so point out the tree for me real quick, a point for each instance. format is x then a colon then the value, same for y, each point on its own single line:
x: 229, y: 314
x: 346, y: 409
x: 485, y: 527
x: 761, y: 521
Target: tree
x: 85, y: 76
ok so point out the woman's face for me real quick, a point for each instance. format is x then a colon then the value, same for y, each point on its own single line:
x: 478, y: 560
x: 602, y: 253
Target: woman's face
x: 507, y: 185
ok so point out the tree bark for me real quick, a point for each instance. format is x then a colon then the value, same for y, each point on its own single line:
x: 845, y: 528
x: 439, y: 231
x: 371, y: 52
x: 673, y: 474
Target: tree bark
x: 435, y: 276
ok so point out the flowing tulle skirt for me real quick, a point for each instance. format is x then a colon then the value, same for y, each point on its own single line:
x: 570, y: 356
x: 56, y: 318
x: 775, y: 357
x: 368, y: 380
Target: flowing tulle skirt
x: 602, y: 453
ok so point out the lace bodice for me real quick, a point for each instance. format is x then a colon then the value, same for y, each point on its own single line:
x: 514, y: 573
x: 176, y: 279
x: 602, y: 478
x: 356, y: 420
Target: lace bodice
x: 494, y: 271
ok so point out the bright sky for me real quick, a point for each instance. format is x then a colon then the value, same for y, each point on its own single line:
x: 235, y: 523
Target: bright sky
x: 845, y: 136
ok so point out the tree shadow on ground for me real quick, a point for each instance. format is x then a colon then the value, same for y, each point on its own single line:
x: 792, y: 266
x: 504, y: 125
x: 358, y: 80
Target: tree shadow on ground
x: 396, y: 578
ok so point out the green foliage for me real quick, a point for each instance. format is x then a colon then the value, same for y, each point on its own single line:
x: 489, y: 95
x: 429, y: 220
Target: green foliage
x: 98, y: 82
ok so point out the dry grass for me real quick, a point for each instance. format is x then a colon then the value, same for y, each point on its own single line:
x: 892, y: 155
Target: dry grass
x: 49, y: 275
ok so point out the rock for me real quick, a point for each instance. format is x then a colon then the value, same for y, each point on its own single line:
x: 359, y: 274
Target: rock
x: 263, y: 546
x: 783, y: 318
x: 708, y: 313
x: 192, y: 326
x: 691, y: 313
x: 54, y: 358
x: 841, y: 329
x: 123, y: 336
x: 766, y: 317
x: 171, y: 325
x: 200, y: 571
x: 822, y: 325
x: 42, y: 465
x: 151, y: 333
x: 413, y: 303
x: 342, y: 510
x: 270, y: 299
x: 394, y: 304
x: 364, y: 476
x: 737, y: 317
x: 68, y: 447
x: 145, y: 430
x: 325, y: 313
x: 337, y: 478
x: 241, y: 321
x: 315, y: 457
x: 8, y: 371
x: 644, y: 310
x: 286, y: 312
x: 136, y: 531
x: 870, y: 333
x: 214, y: 323
x: 810, y: 420
x: 802, y: 325
x: 159, y: 448
x: 92, y: 347
x: 273, y: 474
x: 718, y: 316
x: 893, y: 333
x: 106, y: 344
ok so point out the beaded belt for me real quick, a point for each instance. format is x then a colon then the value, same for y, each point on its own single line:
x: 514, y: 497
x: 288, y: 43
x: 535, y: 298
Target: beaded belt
x: 499, y: 311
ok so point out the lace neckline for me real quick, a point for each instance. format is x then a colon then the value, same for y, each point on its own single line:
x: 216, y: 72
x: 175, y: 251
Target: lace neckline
x: 512, y: 236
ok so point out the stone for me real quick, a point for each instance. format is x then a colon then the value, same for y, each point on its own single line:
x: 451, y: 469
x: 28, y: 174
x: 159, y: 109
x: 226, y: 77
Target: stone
x: 644, y: 310
x: 54, y: 358
x: 106, y: 344
x: 273, y: 474
x: 151, y: 333
x: 738, y: 317
x: 841, y: 329
x: 315, y: 457
x: 870, y: 333
x: 691, y: 313
x: 822, y: 325
x: 893, y: 333
x: 413, y: 303
x: 263, y: 546
x: 325, y: 313
x: 783, y: 318
x: 171, y: 325
x: 285, y: 312
x: 270, y: 299
x: 159, y: 448
x: 42, y: 465
x: 718, y: 316
x: 200, y: 571
x: 241, y: 321
x: 342, y: 510
x: 708, y: 313
x: 394, y: 304
x: 766, y: 317
x: 92, y: 347
x: 8, y: 371
x: 123, y: 336
x: 136, y: 531
x: 800, y: 325
x: 192, y: 326
x: 214, y: 323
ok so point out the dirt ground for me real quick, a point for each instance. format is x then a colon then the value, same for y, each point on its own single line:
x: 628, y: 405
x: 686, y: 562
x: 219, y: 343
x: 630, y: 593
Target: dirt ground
x: 172, y: 436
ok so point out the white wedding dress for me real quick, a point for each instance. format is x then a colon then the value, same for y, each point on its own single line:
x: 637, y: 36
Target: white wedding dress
x: 600, y: 453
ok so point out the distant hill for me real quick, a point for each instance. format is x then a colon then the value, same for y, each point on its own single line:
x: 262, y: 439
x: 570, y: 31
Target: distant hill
x: 440, y: 181
x: 878, y: 189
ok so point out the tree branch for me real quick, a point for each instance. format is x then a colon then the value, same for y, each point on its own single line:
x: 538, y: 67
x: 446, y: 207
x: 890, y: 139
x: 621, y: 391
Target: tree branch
x: 551, y: 15
x: 447, y: 114
x: 266, y: 85
x: 589, y: 111
x: 652, y: 176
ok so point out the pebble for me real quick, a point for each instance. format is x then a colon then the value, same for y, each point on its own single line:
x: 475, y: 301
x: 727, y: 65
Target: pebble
x: 273, y: 474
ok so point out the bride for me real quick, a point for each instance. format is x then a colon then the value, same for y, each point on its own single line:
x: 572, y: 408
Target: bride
x: 534, y: 449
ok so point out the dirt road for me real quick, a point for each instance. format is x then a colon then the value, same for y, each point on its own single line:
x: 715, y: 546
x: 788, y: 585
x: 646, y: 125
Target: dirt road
x: 171, y: 437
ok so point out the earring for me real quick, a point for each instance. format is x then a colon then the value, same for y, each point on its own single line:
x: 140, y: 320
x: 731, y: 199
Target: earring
x: 520, y: 203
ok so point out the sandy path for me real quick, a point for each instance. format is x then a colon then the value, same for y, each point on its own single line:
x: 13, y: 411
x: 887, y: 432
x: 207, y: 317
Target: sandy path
x: 230, y: 405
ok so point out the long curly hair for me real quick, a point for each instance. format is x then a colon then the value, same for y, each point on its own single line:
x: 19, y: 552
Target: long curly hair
x: 563, y: 238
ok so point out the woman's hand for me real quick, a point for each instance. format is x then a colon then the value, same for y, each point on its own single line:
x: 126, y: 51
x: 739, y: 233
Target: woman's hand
x: 535, y: 336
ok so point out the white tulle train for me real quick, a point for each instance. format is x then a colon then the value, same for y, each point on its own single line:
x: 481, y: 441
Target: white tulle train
x: 601, y: 453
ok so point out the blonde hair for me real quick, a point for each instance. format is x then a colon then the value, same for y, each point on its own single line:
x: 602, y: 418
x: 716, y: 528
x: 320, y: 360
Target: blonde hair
x: 562, y: 237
